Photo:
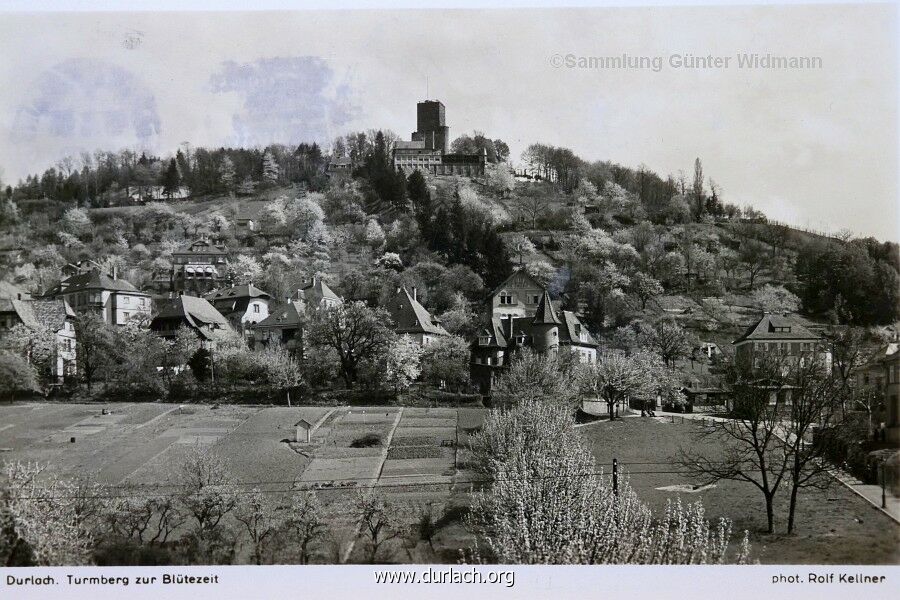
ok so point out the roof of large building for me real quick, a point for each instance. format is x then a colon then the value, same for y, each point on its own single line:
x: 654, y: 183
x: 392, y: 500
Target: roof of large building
x: 198, y: 312
x: 411, y: 317
x: 93, y: 280
x: 776, y: 327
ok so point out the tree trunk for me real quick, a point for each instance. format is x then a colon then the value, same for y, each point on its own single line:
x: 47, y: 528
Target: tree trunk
x: 792, y: 509
x: 770, y: 513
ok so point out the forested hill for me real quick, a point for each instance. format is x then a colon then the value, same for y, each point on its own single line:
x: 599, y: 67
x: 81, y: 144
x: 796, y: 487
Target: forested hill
x: 615, y: 244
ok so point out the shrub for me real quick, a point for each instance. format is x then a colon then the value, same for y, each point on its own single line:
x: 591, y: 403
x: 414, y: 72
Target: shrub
x: 367, y: 441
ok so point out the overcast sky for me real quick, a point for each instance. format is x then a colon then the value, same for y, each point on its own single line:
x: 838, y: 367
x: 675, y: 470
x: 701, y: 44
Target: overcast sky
x: 814, y: 147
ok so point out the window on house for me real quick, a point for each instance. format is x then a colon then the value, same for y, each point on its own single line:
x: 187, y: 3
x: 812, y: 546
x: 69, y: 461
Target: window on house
x: 535, y: 299
x: 126, y: 299
x: 256, y: 308
x: 505, y: 298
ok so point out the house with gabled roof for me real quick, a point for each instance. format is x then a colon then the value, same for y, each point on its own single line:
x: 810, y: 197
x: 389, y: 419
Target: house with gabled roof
x: 779, y: 338
x: 110, y: 296
x: 518, y: 296
x: 548, y: 331
x: 286, y: 322
x: 54, y: 315
x: 410, y: 318
x: 189, y: 311
x: 243, y: 305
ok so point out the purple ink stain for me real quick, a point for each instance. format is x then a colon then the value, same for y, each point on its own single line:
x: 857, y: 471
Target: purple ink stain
x: 88, y: 101
x: 286, y: 100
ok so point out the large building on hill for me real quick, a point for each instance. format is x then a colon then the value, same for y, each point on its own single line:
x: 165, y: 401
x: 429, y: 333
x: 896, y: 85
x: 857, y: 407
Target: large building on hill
x: 545, y: 330
x: 109, y: 296
x: 428, y: 149
x: 199, y: 268
x: 779, y: 338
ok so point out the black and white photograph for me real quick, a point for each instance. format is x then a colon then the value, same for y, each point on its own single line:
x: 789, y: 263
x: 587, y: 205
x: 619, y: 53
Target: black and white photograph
x: 477, y: 300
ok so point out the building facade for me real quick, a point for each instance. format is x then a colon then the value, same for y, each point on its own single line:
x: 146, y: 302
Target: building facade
x: 882, y: 372
x: 518, y: 296
x: 243, y: 305
x: 546, y: 331
x: 111, y: 297
x: 199, y: 268
x: 428, y: 148
x: 775, y: 338
x: 286, y: 322
x: 55, y: 316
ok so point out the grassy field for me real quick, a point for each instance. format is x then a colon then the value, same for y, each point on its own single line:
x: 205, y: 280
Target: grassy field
x: 404, y: 452
x: 834, y: 526
x: 418, y: 458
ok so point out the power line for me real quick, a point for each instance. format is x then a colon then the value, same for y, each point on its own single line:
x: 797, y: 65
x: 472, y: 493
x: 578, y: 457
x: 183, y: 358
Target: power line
x: 346, y: 488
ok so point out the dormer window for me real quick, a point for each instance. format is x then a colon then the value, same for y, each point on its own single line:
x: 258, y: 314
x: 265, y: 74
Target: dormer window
x: 520, y: 339
x: 484, y: 340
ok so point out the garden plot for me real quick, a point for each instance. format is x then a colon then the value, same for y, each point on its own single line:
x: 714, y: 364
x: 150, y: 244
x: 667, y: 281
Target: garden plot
x: 338, y: 462
x: 256, y: 452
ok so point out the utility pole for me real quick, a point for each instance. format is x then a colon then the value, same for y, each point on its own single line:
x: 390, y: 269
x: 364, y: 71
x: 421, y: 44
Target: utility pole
x: 615, y: 475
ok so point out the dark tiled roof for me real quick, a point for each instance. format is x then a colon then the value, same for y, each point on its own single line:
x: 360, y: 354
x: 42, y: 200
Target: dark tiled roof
x: 284, y: 316
x: 765, y: 329
x: 51, y: 314
x: 93, y: 280
x: 545, y: 314
x: 319, y: 288
x: 411, y: 317
x: 196, y: 311
x: 20, y: 308
x: 502, y: 330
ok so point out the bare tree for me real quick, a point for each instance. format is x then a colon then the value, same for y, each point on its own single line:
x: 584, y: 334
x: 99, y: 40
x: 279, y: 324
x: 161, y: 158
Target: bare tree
x: 748, y: 444
x: 208, y: 497
x: 305, y: 525
x: 378, y: 522
x: 814, y: 413
x: 261, y: 518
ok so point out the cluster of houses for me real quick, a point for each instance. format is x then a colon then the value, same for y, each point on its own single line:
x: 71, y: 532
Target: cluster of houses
x: 519, y: 313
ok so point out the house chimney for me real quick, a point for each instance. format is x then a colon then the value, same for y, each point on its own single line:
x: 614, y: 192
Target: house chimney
x: 414, y: 293
x: 115, y: 272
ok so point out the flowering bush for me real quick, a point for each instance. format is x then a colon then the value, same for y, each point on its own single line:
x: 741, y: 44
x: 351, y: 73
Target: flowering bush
x: 548, y: 503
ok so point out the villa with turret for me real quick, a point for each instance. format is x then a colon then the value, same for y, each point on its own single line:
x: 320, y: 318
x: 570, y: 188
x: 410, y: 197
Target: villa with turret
x: 546, y: 330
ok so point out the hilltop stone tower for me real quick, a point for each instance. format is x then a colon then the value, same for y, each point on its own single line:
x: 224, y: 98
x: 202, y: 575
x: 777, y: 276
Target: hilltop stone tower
x: 431, y: 126
x: 545, y: 327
